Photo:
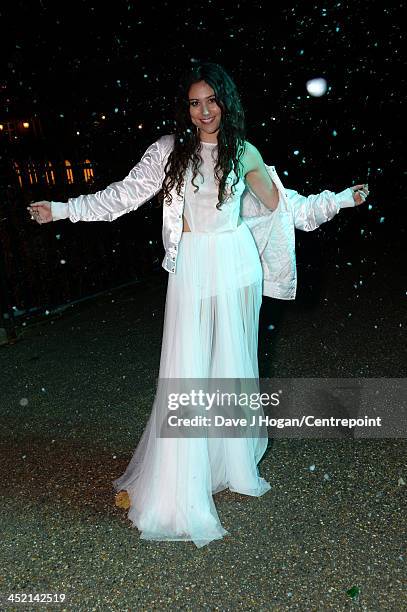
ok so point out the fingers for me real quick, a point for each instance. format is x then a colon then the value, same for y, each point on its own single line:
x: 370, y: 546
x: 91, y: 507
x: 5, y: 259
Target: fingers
x: 360, y: 193
x: 364, y: 187
x: 35, y: 212
x: 362, y: 190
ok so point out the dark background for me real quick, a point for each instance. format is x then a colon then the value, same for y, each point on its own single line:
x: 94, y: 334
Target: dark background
x: 80, y: 60
x: 67, y: 64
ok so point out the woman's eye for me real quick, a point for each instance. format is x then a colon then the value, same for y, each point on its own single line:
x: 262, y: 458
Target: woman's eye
x: 195, y: 102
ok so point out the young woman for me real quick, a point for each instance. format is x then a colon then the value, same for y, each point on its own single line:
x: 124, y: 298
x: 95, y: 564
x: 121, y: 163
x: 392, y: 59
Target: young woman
x: 213, y: 298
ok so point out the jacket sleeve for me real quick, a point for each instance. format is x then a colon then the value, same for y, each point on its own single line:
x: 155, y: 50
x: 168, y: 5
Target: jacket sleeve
x: 309, y: 212
x: 142, y: 183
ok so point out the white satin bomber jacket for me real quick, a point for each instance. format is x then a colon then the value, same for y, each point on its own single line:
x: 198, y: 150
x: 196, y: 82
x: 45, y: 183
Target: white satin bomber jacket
x: 273, y: 231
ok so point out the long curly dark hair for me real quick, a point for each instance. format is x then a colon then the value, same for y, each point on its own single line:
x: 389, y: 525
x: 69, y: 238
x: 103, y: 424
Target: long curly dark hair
x: 187, y: 144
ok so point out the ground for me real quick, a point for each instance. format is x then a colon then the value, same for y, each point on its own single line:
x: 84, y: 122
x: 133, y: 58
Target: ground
x: 76, y: 393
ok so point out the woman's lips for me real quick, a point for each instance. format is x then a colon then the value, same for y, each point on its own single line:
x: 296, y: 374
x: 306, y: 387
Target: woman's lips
x: 206, y: 121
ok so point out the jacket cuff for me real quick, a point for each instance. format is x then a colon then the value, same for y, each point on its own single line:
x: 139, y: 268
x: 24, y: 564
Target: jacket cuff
x: 345, y: 198
x: 59, y: 210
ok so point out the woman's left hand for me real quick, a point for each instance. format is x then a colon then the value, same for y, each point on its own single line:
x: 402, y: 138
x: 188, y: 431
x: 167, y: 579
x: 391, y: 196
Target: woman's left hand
x: 360, y: 193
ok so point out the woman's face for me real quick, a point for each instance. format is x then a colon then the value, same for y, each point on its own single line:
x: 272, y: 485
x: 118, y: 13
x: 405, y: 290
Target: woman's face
x: 204, y: 111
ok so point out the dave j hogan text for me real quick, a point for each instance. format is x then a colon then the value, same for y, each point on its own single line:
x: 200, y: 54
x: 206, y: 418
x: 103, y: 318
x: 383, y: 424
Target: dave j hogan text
x: 258, y: 420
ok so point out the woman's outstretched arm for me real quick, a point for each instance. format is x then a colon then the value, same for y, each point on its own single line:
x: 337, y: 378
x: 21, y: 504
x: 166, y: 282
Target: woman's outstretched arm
x: 142, y: 183
x: 311, y: 211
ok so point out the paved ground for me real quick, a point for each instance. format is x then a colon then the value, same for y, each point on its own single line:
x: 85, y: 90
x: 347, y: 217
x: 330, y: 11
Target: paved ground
x: 77, y: 389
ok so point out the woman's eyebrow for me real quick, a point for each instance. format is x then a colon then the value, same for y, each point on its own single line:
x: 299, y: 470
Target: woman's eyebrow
x: 212, y: 96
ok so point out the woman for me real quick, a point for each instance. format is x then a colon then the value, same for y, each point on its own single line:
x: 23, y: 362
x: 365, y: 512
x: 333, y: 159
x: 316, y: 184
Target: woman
x: 212, y: 307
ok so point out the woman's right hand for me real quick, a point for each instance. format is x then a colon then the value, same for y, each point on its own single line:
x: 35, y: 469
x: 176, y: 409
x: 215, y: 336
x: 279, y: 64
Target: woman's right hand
x: 40, y: 211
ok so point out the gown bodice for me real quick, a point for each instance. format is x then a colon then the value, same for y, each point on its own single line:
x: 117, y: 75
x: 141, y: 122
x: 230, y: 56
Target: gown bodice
x: 200, y: 207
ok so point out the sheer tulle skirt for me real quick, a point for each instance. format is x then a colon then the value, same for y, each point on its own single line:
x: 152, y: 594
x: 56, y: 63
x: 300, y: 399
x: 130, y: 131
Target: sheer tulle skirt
x: 210, y: 331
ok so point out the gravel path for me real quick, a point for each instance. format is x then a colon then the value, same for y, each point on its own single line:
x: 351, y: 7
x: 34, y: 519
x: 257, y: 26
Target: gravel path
x: 77, y: 389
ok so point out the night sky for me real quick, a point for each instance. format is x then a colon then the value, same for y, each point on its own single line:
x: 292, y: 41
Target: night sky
x: 74, y: 61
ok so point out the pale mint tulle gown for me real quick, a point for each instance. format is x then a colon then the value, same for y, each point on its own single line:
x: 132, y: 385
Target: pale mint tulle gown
x: 210, y: 331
